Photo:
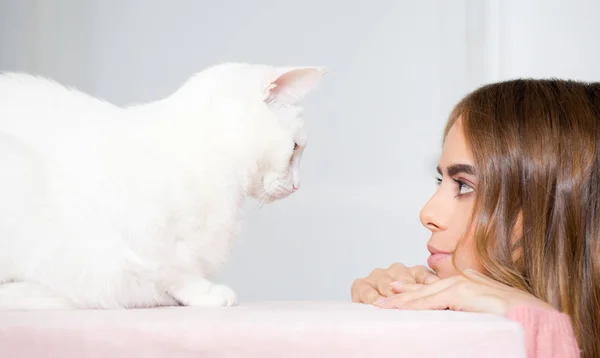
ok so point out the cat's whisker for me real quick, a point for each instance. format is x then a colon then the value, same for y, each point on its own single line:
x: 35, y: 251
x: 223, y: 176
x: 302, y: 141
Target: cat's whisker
x: 263, y: 196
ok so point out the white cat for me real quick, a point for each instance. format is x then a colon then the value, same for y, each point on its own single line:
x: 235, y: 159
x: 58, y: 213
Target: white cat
x: 110, y: 207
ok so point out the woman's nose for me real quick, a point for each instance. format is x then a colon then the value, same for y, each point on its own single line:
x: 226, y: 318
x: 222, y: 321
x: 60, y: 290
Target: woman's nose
x: 432, y: 215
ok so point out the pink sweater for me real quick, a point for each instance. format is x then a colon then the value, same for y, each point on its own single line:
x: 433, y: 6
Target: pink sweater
x: 548, y: 333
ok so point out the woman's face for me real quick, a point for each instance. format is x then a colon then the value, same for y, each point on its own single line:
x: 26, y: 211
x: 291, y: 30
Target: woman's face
x: 448, y: 211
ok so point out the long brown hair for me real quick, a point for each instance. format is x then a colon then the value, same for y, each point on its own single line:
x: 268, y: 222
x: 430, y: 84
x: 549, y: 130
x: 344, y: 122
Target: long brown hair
x: 536, y: 147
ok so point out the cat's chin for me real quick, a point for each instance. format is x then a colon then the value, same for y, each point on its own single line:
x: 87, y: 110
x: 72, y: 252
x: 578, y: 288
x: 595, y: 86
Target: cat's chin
x: 270, y: 198
x: 283, y: 195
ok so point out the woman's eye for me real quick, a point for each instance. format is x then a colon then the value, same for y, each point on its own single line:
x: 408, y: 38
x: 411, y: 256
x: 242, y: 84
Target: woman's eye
x: 464, y: 188
x: 295, y: 146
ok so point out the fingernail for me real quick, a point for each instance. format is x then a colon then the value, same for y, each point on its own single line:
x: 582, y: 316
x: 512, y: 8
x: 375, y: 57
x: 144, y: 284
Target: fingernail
x: 398, y: 284
x: 379, y: 301
x: 431, y: 279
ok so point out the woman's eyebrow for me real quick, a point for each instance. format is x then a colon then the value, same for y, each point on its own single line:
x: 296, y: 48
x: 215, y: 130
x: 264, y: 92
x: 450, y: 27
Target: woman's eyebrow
x: 458, y: 168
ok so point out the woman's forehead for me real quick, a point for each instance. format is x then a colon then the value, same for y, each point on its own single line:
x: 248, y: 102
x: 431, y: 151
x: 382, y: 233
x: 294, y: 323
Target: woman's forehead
x: 455, y: 150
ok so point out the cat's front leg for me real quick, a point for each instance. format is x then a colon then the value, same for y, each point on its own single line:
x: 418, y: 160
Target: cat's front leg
x: 201, y: 292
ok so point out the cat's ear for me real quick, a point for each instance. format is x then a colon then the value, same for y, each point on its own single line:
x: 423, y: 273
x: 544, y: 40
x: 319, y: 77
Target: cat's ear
x: 291, y: 84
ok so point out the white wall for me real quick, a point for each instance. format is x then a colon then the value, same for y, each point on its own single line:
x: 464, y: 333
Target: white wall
x: 14, y: 33
x: 540, y: 39
x: 396, y: 69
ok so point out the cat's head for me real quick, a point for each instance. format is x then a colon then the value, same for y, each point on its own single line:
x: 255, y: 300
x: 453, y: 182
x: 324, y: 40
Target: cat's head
x: 281, y: 93
x: 259, y: 105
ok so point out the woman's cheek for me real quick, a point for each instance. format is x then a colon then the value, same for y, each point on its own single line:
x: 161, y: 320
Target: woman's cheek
x: 466, y: 257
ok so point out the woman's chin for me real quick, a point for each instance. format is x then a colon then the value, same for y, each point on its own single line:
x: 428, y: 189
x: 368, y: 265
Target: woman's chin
x: 445, y: 271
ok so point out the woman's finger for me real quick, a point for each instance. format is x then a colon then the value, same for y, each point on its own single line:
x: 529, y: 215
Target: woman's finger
x: 440, y: 300
x: 380, y: 280
x: 416, y: 274
x: 400, y: 287
x: 399, y: 272
x: 454, y: 299
x: 456, y: 293
x: 361, y: 289
x: 378, y: 284
x: 416, y: 293
x: 370, y: 295
x: 423, y: 274
x: 354, y: 290
x: 367, y: 292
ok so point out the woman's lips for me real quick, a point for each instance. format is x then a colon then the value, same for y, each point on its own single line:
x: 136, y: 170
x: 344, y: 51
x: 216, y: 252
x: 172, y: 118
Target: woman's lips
x: 437, y: 256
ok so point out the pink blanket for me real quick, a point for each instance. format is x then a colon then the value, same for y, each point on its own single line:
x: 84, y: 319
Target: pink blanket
x: 259, y: 329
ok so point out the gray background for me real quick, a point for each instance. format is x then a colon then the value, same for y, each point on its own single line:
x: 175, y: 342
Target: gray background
x: 395, y: 70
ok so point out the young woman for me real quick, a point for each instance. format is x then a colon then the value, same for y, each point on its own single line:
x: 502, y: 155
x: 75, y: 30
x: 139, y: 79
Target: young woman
x: 515, y: 222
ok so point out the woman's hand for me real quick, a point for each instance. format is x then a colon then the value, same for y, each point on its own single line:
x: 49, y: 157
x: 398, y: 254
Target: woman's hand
x: 380, y: 283
x: 473, y: 292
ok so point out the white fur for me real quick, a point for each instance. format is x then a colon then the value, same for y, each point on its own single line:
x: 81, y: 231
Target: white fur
x: 110, y: 207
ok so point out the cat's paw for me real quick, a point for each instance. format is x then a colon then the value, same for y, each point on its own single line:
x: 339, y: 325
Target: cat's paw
x: 206, y: 295
x: 222, y: 295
